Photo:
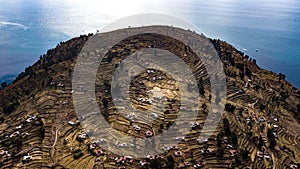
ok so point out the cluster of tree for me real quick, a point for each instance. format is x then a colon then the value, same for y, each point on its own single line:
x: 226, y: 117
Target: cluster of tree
x: 247, y: 57
x: 281, y: 76
x: 284, y: 95
x: 232, y: 138
x: 228, y: 55
x: 157, y: 163
x: 63, y: 51
x: 243, y: 70
x: 297, y: 113
x: 10, y: 107
x: 15, y: 142
x: 240, y: 66
x: 3, y: 85
x: 170, y: 162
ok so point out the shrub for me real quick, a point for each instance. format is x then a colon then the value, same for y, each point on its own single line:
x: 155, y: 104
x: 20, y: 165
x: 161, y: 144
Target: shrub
x: 77, y: 154
x: 229, y: 107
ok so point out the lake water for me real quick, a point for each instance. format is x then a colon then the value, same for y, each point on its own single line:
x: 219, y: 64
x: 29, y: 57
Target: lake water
x: 29, y: 28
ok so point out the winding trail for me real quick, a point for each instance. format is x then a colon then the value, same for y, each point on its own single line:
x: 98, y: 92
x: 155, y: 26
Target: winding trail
x: 274, y: 161
x: 55, y: 141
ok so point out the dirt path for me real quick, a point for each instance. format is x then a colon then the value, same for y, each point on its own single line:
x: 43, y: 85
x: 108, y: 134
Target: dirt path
x: 55, y: 141
x: 274, y: 161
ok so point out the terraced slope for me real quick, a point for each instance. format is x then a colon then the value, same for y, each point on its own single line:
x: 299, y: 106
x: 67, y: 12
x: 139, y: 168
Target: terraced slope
x: 259, y: 128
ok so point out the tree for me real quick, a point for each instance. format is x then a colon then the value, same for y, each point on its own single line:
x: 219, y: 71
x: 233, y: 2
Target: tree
x: 242, y: 75
x: 161, y: 127
x: 260, y: 143
x: 1, y: 120
x: 42, y: 132
x: 220, y: 153
x: 3, y: 85
x: 105, y: 102
x: 226, y: 127
x: 240, y: 66
x: 28, y: 70
x: 245, y: 154
x: 157, y: 163
x: 284, y: 95
x: 241, y: 112
x: 171, y: 162
x: 297, y: 112
x: 271, y: 139
x: 234, y: 139
x: 219, y: 139
x: 204, y: 106
x: 201, y: 90
x: 248, y: 72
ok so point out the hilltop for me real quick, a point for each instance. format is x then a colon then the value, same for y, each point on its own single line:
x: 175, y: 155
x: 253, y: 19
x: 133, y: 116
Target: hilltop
x: 40, y: 129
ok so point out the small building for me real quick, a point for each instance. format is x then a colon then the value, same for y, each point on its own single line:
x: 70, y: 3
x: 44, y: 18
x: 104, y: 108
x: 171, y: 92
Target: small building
x: 178, y: 153
x: 194, y: 124
x: 293, y: 166
x: 233, y: 153
x: 27, y: 158
x: 175, y: 147
x: 229, y: 146
x: 151, y: 157
x: 119, y: 160
x: 179, y: 138
x: 198, y: 165
x: 99, y: 152
x: 136, y: 127
x: 166, y: 148
x: 201, y: 140
x: 66, y: 141
x: 20, y: 126
x: 14, y: 134
x: 181, y: 165
x: 122, y: 145
x: 187, y: 164
x: 149, y: 133
x: 101, y: 141
x: 71, y: 123
x: 92, y: 146
x: 154, y: 115
x: 259, y: 154
x: 143, y: 163
x: 82, y: 136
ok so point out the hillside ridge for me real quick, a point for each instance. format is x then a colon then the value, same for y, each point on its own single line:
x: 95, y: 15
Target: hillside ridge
x: 260, y: 127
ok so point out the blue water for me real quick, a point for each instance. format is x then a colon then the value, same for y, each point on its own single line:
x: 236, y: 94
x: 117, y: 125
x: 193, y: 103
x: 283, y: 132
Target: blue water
x: 28, y: 28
